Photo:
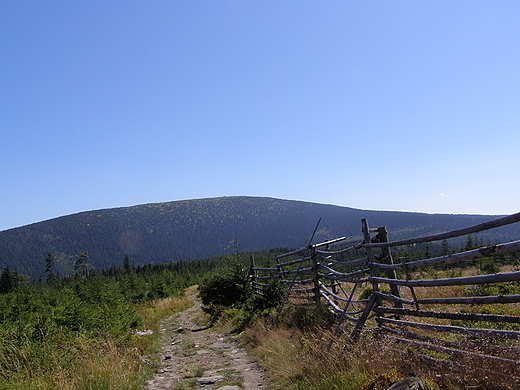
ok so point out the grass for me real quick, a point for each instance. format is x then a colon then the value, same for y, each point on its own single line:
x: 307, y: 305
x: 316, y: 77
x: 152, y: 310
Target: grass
x: 296, y: 360
x: 294, y: 356
x: 93, y: 362
x: 152, y: 313
x: 86, y: 365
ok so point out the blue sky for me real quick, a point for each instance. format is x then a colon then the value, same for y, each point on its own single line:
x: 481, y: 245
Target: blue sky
x: 385, y: 105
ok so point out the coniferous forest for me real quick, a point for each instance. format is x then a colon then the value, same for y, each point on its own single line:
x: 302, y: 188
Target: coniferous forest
x: 201, y: 228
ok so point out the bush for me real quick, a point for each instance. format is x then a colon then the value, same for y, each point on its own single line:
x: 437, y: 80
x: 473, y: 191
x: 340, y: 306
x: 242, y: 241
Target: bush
x: 272, y: 296
x: 228, y: 287
x: 228, y: 297
x: 487, y: 265
x: 367, y: 292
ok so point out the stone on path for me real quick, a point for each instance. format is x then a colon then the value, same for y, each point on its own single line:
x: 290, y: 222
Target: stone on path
x: 229, y: 388
x: 210, y: 380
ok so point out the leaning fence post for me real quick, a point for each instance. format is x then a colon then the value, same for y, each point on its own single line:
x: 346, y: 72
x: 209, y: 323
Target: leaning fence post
x: 375, y: 300
x: 370, y: 256
x: 369, y: 306
x: 386, y: 256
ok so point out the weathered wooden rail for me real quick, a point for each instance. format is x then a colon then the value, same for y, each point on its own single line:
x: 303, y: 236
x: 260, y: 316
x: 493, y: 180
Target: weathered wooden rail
x: 372, y: 290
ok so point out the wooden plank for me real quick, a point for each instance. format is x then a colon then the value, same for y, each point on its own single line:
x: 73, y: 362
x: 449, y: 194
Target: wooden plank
x: 356, y: 332
x: 454, y: 233
x: 349, y: 249
x: 487, y: 348
x: 335, y: 296
x: 332, y: 303
x: 338, y: 279
x: 494, y: 250
x: 341, y: 274
x: 471, y: 300
x: 453, y: 301
x: 328, y: 292
x: 300, y: 290
x: 292, y: 262
x: 446, y: 315
x: 349, y: 263
x: 265, y: 269
x: 469, y: 280
x: 505, y: 334
x: 393, y: 298
x: 364, y: 316
x: 333, y: 241
x: 508, y: 364
x: 296, y: 271
x: 338, y: 310
x: 296, y: 281
x: 294, y: 252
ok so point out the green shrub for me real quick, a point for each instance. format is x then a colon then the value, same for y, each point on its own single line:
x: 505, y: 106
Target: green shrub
x: 367, y: 292
x: 271, y: 296
x: 487, y: 265
x: 228, y: 287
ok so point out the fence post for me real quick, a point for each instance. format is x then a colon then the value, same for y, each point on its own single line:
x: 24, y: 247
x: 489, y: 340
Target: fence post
x: 370, y: 256
x: 315, y: 277
x: 386, y: 256
x: 252, y: 272
x: 375, y: 300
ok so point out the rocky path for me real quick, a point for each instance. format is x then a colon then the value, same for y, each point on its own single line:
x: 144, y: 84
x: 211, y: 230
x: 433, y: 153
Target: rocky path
x: 196, y: 357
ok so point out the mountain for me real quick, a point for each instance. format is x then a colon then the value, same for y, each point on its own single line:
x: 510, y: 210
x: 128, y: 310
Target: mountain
x: 200, y: 228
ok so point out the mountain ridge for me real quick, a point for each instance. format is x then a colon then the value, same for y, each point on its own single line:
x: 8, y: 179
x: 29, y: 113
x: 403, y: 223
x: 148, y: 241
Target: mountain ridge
x: 200, y: 228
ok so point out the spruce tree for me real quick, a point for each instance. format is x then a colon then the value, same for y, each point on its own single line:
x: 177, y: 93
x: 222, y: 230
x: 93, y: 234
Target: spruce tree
x: 7, y: 281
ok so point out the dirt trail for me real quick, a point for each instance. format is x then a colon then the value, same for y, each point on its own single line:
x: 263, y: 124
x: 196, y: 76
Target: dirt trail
x: 192, y: 354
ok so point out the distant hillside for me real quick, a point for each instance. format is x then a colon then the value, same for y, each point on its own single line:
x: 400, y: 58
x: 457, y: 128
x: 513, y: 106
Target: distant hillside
x: 193, y: 229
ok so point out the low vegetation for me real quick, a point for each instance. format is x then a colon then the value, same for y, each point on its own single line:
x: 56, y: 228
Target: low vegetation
x: 90, y: 330
x: 227, y: 295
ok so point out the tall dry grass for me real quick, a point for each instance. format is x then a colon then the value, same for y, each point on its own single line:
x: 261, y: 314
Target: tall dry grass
x: 153, y: 312
x: 84, y: 364
x: 298, y: 360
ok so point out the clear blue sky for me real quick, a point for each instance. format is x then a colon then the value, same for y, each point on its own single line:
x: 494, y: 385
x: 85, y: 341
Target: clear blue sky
x: 386, y: 105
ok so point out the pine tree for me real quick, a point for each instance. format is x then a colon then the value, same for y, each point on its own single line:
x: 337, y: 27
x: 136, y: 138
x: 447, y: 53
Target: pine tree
x: 470, y: 243
x: 126, y: 264
x: 49, y: 268
x: 82, y: 263
x: 445, y: 248
x: 7, y: 281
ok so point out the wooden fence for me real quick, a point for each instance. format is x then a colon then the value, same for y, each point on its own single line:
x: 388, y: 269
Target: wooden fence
x: 446, y: 305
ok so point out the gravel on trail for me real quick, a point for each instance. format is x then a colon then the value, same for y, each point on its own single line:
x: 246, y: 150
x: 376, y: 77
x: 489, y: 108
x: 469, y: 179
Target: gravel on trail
x: 193, y: 356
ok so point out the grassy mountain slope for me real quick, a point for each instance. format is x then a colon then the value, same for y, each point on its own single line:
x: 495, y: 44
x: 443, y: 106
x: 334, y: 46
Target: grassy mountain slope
x: 191, y: 229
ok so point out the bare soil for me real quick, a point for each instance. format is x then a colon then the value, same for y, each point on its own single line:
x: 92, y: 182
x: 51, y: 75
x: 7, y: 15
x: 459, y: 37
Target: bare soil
x: 194, y: 356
